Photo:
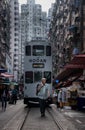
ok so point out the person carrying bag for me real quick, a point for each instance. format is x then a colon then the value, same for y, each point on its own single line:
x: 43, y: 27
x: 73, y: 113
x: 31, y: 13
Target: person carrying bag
x: 42, y: 91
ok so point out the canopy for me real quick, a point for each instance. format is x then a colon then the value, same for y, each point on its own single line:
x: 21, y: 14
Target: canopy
x: 68, y: 73
x: 7, y: 75
x: 2, y: 70
x: 72, y: 71
x: 78, y: 62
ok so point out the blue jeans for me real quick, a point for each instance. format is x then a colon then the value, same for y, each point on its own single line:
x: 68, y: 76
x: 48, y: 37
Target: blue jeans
x: 4, y: 102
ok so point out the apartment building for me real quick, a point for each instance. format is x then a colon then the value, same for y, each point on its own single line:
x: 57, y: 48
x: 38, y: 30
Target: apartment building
x: 67, y: 31
x: 49, y: 18
x: 14, y: 37
x: 33, y: 24
x: 4, y: 32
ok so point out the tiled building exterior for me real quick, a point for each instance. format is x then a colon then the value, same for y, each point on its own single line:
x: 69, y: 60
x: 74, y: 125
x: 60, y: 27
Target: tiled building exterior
x: 67, y: 31
x: 4, y: 32
x: 14, y: 37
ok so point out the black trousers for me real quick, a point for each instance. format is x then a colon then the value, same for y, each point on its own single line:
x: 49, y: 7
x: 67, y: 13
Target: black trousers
x: 42, y: 103
x: 4, y: 102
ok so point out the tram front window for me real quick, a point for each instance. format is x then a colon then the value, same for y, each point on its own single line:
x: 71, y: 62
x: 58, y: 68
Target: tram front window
x: 47, y: 75
x: 38, y: 50
x: 28, y: 50
x: 48, y: 50
x: 37, y: 76
x: 28, y: 77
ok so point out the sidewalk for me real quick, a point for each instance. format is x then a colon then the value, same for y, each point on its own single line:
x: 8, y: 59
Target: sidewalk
x: 65, y: 123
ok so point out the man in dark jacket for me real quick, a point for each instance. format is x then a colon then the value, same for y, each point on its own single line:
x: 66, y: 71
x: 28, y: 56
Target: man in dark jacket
x: 4, y: 95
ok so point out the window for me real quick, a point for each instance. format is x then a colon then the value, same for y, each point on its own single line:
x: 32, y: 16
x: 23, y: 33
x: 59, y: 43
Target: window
x: 15, y: 55
x: 47, y: 75
x: 15, y: 49
x: 28, y: 77
x: 15, y: 8
x: 15, y: 39
x: 48, y: 50
x: 38, y: 50
x: 15, y: 44
x: 16, y: 29
x: 16, y: 19
x: 16, y: 34
x: 28, y: 50
x: 37, y: 76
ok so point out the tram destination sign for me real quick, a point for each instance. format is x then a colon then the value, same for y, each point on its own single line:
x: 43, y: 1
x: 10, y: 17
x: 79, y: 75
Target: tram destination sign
x: 38, y: 65
x: 37, y: 60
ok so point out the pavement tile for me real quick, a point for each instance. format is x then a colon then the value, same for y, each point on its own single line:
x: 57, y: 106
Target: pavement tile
x: 63, y: 122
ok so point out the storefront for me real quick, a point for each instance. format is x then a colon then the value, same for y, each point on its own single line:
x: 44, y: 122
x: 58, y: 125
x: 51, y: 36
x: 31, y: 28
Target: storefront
x: 71, y: 75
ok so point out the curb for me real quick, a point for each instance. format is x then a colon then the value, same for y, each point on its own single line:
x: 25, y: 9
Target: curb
x: 60, y: 119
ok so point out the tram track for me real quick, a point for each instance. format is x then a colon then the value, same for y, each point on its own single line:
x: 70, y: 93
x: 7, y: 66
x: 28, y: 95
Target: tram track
x: 58, y: 126
x: 55, y: 121
x: 21, y: 127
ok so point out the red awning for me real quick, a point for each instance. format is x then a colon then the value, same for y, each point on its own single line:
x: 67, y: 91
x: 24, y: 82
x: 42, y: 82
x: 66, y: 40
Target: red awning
x: 77, y: 62
x: 72, y: 71
x: 67, y: 73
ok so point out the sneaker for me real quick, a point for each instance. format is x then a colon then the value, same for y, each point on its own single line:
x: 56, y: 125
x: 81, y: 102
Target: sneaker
x: 42, y: 115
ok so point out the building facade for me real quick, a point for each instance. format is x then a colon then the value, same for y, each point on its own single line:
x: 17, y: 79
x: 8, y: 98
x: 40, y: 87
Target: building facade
x: 33, y: 24
x: 67, y: 32
x: 14, y: 37
x: 49, y: 18
x: 4, y: 32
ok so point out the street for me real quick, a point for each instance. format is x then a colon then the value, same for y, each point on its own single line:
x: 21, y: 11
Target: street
x: 14, y: 116
x: 69, y: 119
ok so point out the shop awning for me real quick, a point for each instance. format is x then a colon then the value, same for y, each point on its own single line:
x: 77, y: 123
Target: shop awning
x: 67, y: 79
x: 7, y: 75
x: 67, y: 73
x: 69, y: 82
x: 2, y: 70
x: 78, y: 62
x: 72, y: 71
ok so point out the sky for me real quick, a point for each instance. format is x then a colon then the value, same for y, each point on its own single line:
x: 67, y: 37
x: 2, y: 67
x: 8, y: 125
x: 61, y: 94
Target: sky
x: 46, y: 4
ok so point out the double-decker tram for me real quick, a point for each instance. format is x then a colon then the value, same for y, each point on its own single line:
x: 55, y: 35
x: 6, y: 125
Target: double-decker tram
x: 37, y: 64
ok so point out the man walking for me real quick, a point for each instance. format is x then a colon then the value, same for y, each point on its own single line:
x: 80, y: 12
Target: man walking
x: 43, y: 93
x: 4, y: 95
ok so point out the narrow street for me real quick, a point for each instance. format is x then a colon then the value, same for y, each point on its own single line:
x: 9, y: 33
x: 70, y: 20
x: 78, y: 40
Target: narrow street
x: 14, y: 118
x: 69, y: 119
x: 36, y: 122
x: 76, y: 117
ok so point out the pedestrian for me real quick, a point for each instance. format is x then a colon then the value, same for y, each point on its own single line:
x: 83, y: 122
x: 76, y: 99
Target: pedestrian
x: 4, y: 97
x: 60, y: 98
x: 14, y: 95
x: 43, y: 93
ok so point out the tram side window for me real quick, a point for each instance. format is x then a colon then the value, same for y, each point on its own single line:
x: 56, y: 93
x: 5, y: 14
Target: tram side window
x: 28, y: 77
x: 38, y: 50
x: 48, y: 50
x: 28, y: 50
x: 47, y: 75
x: 37, y: 76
